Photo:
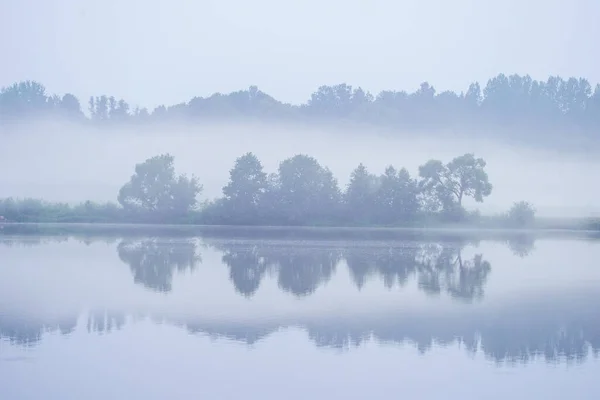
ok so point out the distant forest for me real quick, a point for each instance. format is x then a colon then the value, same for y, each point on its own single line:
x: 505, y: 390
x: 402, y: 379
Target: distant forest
x: 516, y: 103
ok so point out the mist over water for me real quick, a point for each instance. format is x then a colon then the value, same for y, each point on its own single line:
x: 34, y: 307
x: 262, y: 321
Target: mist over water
x: 73, y: 163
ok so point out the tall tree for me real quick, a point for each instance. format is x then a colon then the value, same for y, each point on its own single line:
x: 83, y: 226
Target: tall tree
x: 246, y: 188
x: 71, y: 106
x: 397, y: 199
x: 307, y: 192
x: 154, y: 188
x: 24, y: 99
x: 360, y: 195
x: 449, y: 183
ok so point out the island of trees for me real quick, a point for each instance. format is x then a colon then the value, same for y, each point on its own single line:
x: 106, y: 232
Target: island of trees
x: 552, y: 112
x: 301, y: 192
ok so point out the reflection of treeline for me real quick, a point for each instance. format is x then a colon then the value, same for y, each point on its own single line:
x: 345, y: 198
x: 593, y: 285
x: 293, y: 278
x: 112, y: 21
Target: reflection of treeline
x: 515, y: 334
x: 300, y: 269
x: 302, y: 259
x: 303, y: 265
x: 28, y: 331
x: 558, y: 328
x: 529, y: 109
x: 153, y: 262
x: 555, y: 330
x: 301, y: 192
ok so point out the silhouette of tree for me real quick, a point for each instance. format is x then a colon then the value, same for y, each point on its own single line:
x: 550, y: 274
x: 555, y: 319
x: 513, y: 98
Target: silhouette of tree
x: 521, y: 214
x: 397, y: 197
x: 447, y: 184
x: 306, y: 191
x: 155, y: 188
x: 360, y: 195
x: 24, y: 100
x: 246, y: 188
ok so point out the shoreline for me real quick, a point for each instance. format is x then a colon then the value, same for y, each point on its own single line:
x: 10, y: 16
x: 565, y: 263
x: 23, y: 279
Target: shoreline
x: 264, y: 231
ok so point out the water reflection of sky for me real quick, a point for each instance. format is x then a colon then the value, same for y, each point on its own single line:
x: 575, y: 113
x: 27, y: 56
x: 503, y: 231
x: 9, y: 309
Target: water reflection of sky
x: 413, y: 306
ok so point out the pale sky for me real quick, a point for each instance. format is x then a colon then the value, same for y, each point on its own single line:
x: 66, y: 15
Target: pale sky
x: 151, y: 52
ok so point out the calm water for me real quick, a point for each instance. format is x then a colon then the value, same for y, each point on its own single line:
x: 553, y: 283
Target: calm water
x: 123, y: 314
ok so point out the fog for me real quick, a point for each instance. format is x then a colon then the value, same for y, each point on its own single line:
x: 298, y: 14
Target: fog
x: 72, y: 163
x: 153, y: 52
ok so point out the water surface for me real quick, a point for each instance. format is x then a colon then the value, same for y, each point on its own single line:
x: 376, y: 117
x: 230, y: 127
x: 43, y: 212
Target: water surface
x: 156, y: 314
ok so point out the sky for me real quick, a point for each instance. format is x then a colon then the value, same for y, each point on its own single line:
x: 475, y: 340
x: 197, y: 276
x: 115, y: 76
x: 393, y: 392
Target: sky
x: 153, y: 52
x: 157, y: 52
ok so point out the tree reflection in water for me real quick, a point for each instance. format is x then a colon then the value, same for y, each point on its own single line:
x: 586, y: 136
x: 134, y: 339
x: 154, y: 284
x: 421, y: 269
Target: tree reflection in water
x: 443, y: 268
x: 104, y: 321
x: 561, y: 329
x: 152, y: 261
x: 247, y: 268
x: 301, y: 269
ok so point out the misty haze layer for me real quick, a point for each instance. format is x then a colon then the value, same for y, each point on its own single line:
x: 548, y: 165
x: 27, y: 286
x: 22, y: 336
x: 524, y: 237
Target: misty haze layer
x: 72, y: 163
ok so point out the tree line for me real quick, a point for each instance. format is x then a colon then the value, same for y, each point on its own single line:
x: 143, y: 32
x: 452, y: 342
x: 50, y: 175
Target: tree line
x: 301, y: 192
x: 512, y: 101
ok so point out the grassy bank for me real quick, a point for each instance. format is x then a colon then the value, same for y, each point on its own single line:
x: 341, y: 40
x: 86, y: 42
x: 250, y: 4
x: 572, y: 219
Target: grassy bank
x: 39, y: 211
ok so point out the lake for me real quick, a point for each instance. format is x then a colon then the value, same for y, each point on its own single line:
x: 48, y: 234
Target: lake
x: 222, y: 313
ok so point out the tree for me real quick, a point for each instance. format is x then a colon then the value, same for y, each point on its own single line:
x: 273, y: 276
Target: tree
x: 521, y: 214
x: 154, y: 188
x: 447, y: 184
x: 24, y: 99
x: 360, y: 195
x: 396, y: 199
x: 99, y: 108
x: 306, y: 191
x: 338, y: 101
x: 246, y: 188
x: 70, y: 105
